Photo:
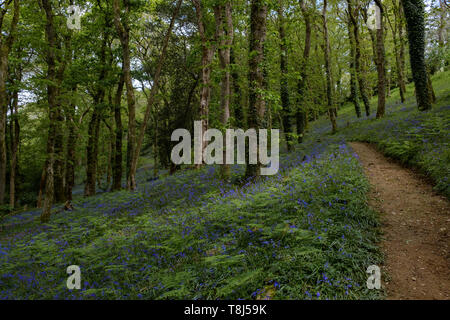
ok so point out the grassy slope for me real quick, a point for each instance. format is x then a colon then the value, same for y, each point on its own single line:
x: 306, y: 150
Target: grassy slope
x: 305, y: 233
x: 417, y: 139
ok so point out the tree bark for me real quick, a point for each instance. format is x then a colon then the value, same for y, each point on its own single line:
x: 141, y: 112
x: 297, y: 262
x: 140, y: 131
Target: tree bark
x: 42, y: 185
x: 5, y: 49
x: 117, y: 162
x: 396, y: 35
x: 224, y: 31
x: 443, y: 23
x: 360, y: 72
x: 403, y: 40
x: 92, y: 153
x: 111, y: 146
x: 237, y: 93
x: 53, y: 105
x: 150, y: 100
x: 415, y: 20
x: 207, y: 56
x: 381, y: 64
x: 330, y: 103
x: 284, y: 87
x: 123, y: 30
x: 59, y: 154
x: 15, y: 142
x: 70, y: 153
x: 257, y: 37
x: 155, y: 147
x: 94, y: 125
x: 63, y: 59
x: 301, y: 114
x: 353, y: 71
x: 430, y: 88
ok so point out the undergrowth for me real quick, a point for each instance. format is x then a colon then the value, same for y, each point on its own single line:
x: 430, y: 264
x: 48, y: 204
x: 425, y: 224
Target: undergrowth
x: 305, y: 233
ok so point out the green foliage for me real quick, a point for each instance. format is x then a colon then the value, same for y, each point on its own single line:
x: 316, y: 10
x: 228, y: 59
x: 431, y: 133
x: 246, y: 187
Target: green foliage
x: 305, y: 233
x: 402, y: 150
x: 414, y: 138
x: 5, y: 209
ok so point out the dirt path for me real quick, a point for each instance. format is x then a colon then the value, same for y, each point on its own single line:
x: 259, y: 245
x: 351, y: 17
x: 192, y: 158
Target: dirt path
x: 416, y: 227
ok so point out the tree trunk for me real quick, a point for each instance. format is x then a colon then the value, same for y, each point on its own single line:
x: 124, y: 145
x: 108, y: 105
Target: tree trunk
x: 284, y: 87
x: 54, y: 186
x: 353, y: 71
x: 94, y: 125
x: 117, y: 162
x: 92, y: 152
x: 53, y: 105
x: 396, y: 34
x: 442, y: 26
x: 257, y: 37
x: 42, y: 185
x: 403, y: 39
x: 59, y: 156
x: 430, y: 88
x: 150, y: 100
x: 360, y: 72
x: 301, y: 114
x: 381, y: 64
x: 224, y: 31
x: 100, y: 168
x: 60, y: 194
x: 400, y: 75
x: 111, y: 142
x: 123, y: 30
x: 402, y: 56
x: 415, y: 20
x: 71, y: 154
x: 15, y: 142
x: 155, y: 147
x: 207, y: 56
x: 237, y: 93
x: 388, y: 79
x: 330, y: 103
x: 5, y: 49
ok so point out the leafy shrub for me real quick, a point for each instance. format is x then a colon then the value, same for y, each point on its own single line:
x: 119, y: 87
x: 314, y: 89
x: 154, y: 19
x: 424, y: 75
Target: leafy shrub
x: 5, y: 209
x: 305, y: 233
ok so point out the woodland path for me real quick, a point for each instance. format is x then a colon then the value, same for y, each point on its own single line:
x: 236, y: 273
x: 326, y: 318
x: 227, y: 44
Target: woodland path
x: 415, y: 225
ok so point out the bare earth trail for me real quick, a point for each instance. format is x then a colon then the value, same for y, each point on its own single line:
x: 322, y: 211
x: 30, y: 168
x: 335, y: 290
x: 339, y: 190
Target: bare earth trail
x: 415, y: 225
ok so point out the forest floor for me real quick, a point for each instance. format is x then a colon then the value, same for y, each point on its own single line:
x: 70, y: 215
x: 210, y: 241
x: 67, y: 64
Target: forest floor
x: 308, y: 232
x: 415, y: 223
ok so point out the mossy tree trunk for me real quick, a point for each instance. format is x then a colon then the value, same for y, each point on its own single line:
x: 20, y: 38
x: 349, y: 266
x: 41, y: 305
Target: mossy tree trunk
x: 353, y: 70
x: 354, y: 11
x: 301, y: 113
x: 396, y: 30
x: 52, y: 104
x: 224, y: 31
x: 415, y: 22
x: 15, y: 142
x: 257, y: 37
x: 381, y: 63
x: 332, y: 113
x: 94, y: 124
x: 70, y: 153
x: 207, y: 57
x: 284, y: 87
x: 123, y: 30
x: 118, y: 157
x: 6, y: 44
x: 237, y: 92
x: 150, y: 100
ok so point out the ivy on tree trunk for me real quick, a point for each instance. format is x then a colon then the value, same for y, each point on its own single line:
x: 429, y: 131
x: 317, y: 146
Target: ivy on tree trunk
x: 415, y: 21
